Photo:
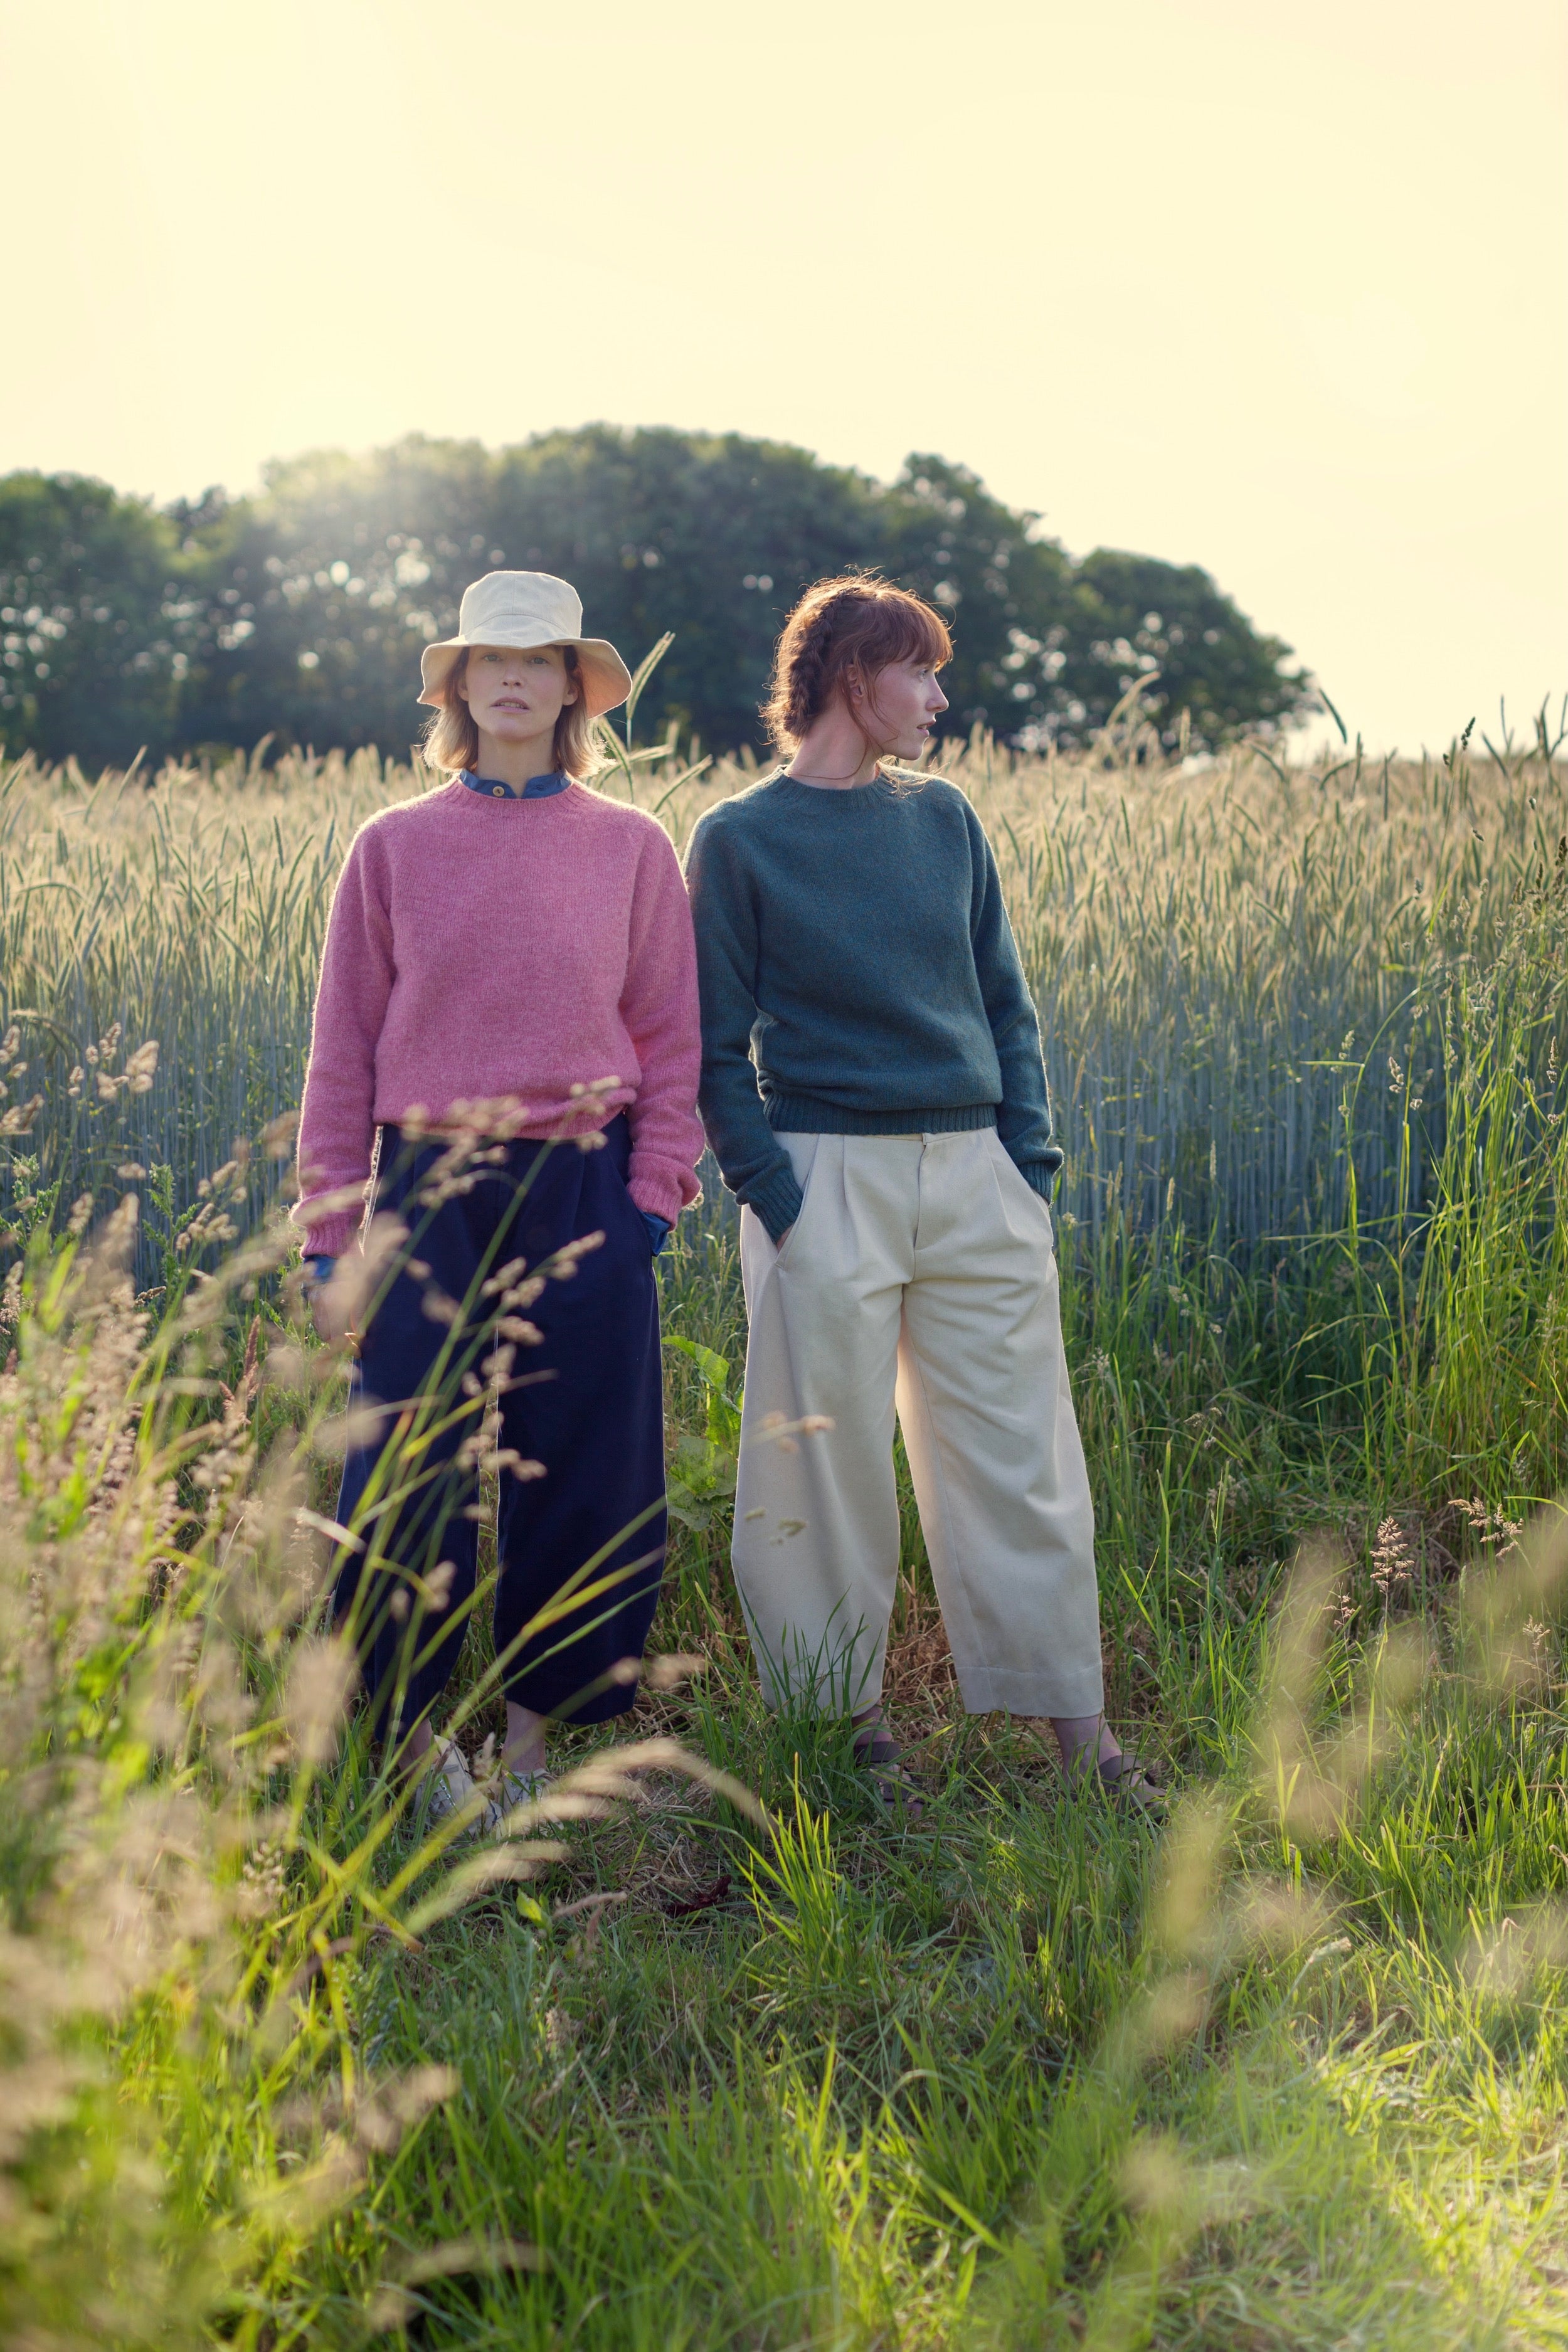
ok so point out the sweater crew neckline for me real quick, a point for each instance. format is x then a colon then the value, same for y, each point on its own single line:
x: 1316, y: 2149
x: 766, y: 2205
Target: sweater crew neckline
x: 874, y: 793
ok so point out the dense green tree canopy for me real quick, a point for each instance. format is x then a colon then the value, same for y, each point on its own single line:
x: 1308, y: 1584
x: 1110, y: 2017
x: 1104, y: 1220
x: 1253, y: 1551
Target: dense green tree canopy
x: 97, y: 623
x: 346, y: 567
x: 299, y: 612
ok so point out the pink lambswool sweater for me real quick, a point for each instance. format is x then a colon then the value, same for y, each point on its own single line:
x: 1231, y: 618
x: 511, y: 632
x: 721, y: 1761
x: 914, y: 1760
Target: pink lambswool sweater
x: 482, y: 951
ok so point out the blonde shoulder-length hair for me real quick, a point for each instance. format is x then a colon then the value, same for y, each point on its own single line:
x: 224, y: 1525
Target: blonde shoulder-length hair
x: 452, y: 739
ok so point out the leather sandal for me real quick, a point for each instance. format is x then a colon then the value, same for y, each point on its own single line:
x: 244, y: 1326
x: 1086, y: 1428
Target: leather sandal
x: 1129, y: 1779
x: 445, y: 1786
x: 882, y: 1760
x: 507, y: 1794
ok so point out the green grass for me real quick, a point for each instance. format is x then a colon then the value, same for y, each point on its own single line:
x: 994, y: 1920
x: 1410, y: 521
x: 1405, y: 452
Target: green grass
x: 1025, y: 2072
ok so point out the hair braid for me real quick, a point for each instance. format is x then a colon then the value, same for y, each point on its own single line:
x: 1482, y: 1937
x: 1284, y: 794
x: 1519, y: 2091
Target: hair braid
x: 809, y: 672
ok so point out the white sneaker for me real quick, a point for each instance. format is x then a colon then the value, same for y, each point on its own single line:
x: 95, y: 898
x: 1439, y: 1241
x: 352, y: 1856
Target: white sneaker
x: 447, y: 1786
x: 506, y: 1792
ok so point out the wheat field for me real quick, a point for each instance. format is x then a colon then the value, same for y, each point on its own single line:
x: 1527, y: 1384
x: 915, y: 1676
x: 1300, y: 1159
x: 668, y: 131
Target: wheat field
x: 1214, y: 953
x: 715, y: 2053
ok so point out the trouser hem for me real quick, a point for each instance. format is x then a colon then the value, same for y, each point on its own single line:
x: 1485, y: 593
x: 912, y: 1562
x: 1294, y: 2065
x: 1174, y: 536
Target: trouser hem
x: 1015, y: 1693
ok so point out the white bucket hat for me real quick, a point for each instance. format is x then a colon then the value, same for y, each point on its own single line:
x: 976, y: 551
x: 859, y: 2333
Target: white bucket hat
x: 522, y: 609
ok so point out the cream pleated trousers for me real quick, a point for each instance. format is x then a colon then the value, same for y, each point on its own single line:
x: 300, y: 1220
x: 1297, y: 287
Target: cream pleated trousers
x: 921, y: 1277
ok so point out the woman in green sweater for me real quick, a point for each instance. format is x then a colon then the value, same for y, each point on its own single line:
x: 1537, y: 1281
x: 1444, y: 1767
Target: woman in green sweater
x: 875, y: 1096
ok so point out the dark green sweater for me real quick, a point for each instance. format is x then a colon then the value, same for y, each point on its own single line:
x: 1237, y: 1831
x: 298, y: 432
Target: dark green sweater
x: 860, y: 977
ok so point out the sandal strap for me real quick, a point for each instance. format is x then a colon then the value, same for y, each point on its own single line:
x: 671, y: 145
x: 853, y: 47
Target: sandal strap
x: 1128, y: 1775
x: 886, y: 1765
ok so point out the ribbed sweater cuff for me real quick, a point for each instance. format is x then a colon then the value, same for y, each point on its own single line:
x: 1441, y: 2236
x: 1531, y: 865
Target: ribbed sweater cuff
x: 1039, y: 1175
x: 777, y: 1199
x: 329, y: 1236
x: 657, y: 1194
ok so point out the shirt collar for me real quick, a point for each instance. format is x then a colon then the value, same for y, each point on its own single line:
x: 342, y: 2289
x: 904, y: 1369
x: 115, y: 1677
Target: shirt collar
x: 538, y: 788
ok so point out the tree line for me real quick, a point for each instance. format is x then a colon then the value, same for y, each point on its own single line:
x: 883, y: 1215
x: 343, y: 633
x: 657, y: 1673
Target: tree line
x: 298, y: 613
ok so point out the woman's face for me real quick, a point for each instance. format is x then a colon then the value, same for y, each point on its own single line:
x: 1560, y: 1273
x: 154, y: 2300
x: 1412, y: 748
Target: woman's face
x: 515, y: 696
x: 899, y: 707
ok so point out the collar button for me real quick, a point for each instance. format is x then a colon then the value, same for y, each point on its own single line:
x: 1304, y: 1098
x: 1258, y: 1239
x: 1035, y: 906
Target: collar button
x: 498, y: 792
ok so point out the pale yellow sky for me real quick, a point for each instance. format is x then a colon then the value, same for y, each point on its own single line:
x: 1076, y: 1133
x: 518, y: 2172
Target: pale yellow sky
x: 1277, y: 289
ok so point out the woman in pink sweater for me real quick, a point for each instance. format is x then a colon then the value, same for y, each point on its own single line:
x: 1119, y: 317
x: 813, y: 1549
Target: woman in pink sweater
x: 509, y: 964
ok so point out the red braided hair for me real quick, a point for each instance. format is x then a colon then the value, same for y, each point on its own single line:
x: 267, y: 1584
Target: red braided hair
x: 858, y: 622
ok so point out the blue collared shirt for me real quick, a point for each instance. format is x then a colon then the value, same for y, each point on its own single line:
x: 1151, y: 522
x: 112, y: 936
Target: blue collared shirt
x: 538, y: 788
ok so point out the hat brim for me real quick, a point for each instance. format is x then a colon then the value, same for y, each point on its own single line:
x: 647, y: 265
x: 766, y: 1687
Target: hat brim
x: 607, y: 680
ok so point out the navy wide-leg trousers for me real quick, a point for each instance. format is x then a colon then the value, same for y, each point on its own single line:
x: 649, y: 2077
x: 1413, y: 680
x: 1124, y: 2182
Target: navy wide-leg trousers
x: 580, y: 1538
